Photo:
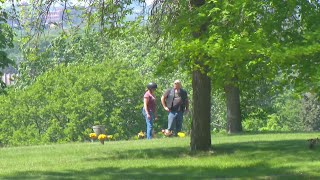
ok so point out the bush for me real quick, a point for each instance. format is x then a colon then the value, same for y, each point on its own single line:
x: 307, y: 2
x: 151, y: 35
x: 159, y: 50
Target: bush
x: 65, y: 101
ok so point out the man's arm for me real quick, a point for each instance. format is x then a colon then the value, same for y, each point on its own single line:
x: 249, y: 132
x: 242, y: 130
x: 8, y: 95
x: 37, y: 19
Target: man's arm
x: 163, y: 101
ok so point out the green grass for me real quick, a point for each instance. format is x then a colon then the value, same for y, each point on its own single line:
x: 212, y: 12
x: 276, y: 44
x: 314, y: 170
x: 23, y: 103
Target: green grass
x: 245, y: 156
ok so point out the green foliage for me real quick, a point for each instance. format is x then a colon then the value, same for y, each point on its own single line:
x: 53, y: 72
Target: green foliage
x: 240, y: 40
x: 54, y: 133
x: 135, y: 49
x: 251, y: 40
x: 6, y: 36
x: 310, y: 112
x: 218, y: 112
x: 289, y: 112
x: 65, y: 101
x: 298, y: 61
x: 255, y: 120
x: 83, y: 36
x: 273, y: 124
x: 288, y: 108
x: 245, y: 39
x: 46, y: 56
x: 6, y: 41
x: 224, y: 36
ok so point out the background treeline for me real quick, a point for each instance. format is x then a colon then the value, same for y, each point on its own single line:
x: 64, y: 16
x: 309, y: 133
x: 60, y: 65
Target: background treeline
x: 70, y: 80
x: 65, y: 100
x: 66, y: 87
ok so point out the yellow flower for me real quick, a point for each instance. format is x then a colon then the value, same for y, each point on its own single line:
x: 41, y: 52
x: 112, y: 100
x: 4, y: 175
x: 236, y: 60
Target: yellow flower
x: 141, y: 134
x: 181, y: 134
x: 92, y: 135
x: 110, y: 137
x: 102, y: 137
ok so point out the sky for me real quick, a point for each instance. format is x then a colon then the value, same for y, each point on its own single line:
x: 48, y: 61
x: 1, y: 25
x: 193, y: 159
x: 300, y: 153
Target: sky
x: 149, y: 2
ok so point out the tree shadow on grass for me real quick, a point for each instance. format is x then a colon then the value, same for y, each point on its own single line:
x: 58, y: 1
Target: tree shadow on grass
x: 254, y: 133
x: 147, y: 153
x: 281, y: 148
x: 291, y: 150
x: 255, y: 171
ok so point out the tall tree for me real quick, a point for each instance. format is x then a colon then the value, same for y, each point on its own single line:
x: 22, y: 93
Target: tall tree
x: 177, y: 19
x: 201, y: 84
x: 231, y: 42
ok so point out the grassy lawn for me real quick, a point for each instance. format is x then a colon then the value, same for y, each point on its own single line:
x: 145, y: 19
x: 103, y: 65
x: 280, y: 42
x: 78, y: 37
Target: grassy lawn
x: 245, y: 156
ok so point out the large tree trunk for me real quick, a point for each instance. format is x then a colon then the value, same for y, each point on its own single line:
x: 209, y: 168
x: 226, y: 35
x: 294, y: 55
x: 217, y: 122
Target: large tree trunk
x: 200, y: 132
x: 233, y: 109
x: 201, y: 85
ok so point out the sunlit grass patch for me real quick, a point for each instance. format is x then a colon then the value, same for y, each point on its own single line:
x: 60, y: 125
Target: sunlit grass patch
x: 242, y: 156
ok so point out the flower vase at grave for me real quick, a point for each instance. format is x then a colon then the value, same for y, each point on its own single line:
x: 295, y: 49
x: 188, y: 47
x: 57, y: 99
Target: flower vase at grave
x: 102, y: 141
x: 99, y: 129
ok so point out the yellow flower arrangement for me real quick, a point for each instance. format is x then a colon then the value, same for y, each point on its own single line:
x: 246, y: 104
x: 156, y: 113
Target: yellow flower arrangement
x: 181, y: 134
x: 93, y: 135
x: 141, y: 135
x: 102, y: 137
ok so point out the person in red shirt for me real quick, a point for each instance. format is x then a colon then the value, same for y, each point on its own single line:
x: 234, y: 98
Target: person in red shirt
x: 149, y: 108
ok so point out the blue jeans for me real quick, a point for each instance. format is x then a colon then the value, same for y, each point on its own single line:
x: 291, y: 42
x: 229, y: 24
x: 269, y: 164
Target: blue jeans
x: 149, y: 123
x: 175, y: 119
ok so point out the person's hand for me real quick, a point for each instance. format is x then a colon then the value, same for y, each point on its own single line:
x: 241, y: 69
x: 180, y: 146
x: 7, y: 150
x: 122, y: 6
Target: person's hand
x: 167, y: 109
x: 149, y: 117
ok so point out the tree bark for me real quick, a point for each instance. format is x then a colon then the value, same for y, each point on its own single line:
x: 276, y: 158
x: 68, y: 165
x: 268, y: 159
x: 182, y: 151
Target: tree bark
x: 233, y: 109
x: 200, y: 130
x: 201, y: 85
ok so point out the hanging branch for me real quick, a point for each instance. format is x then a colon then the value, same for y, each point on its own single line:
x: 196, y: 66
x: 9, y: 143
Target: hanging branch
x: 15, y: 12
x: 63, y: 13
x: 102, y: 17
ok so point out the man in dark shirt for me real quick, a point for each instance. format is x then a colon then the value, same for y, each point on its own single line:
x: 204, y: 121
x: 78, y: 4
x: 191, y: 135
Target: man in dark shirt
x: 175, y: 102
